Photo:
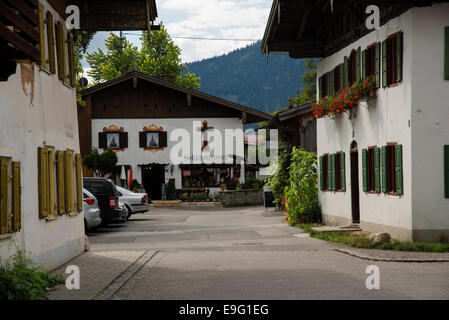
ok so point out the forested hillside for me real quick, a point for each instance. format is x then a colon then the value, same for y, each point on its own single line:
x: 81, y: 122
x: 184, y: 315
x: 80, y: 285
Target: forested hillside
x: 243, y: 76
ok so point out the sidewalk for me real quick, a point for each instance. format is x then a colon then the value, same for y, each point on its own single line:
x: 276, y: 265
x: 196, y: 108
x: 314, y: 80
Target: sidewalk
x: 98, y: 269
x: 394, y: 256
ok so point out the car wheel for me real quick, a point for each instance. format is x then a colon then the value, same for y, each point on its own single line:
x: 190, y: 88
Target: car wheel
x: 129, y: 213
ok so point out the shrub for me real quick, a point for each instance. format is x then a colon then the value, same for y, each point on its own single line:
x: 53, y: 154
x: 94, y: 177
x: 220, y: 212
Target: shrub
x: 302, y: 191
x: 100, y: 164
x: 251, y: 182
x: 280, y: 178
x: 22, y: 279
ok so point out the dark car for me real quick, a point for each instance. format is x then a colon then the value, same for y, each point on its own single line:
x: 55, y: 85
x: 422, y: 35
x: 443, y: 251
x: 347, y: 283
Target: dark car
x: 107, y: 195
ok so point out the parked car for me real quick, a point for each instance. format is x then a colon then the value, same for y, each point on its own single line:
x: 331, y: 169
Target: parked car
x: 134, y: 202
x: 92, y: 217
x: 107, y: 195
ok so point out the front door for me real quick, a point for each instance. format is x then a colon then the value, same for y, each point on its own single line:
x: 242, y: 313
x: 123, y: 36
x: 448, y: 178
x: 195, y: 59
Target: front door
x: 355, y: 186
x: 153, y: 176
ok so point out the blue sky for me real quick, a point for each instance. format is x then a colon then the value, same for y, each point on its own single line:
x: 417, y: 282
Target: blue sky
x: 232, y: 19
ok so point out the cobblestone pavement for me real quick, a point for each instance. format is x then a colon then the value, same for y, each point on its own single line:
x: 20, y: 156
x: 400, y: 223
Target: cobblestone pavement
x: 242, y: 253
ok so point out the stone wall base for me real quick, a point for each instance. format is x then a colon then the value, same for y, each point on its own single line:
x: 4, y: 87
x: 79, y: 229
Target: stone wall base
x: 238, y: 198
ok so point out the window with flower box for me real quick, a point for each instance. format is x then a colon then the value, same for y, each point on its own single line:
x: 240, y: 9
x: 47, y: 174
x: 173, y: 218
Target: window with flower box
x: 371, y: 62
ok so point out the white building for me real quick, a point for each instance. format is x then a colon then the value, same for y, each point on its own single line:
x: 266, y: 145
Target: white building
x: 140, y: 117
x: 40, y: 167
x: 387, y: 166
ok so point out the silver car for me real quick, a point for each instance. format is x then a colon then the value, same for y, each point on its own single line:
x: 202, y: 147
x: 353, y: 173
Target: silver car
x: 134, y: 202
x: 92, y: 217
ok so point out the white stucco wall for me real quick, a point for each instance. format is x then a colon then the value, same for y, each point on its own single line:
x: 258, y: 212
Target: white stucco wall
x: 430, y: 117
x: 135, y: 156
x: 384, y: 119
x: 48, y: 119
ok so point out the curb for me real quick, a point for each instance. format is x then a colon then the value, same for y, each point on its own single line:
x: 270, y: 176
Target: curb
x: 366, y: 257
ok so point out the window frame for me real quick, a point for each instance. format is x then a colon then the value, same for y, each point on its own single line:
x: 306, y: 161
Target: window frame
x: 370, y: 170
x: 391, y: 168
x: 338, y: 182
x: 158, y: 140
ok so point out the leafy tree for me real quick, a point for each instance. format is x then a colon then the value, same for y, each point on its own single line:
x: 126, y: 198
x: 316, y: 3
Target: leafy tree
x: 82, y: 40
x: 308, y: 92
x: 161, y: 57
x: 100, y: 164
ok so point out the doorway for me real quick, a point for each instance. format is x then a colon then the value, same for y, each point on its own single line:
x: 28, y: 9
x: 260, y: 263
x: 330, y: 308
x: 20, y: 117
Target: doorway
x: 355, y: 197
x: 153, y: 176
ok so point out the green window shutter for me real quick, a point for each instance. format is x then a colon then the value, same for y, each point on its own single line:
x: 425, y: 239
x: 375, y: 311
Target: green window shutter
x: 43, y: 182
x: 329, y: 172
x: 446, y: 53
x: 79, y: 182
x: 334, y: 177
x: 321, y: 173
x: 377, y: 64
x: 398, y: 169
x: 16, y: 197
x: 377, y: 169
x: 364, y: 172
x: 357, y: 64
x: 68, y: 178
x: 384, y: 168
x: 3, y: 195
x: 384, y: 64
x: 42, y: 38
x: 342, y: 78
x: 446, y: 171
x: 399, y: 50
x: 60, y: 182
x: 343, y: 171
x: 51, y: 42
x: 364, y: 64
x: 346, y: 71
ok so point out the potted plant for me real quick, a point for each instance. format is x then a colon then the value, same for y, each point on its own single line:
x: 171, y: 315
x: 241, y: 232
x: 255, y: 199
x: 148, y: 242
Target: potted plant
x: 239, y: 187
x: 171, y: 190
x: 223, y: 187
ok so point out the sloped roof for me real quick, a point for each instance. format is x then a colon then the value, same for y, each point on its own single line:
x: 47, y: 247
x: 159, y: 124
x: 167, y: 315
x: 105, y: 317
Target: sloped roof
x: 254, y: 114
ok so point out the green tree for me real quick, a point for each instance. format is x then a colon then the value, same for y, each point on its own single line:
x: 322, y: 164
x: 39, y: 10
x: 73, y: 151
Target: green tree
x: 100, y: 164
x: 308, y: 92
x: 82, y: 40
x: 161, y: 57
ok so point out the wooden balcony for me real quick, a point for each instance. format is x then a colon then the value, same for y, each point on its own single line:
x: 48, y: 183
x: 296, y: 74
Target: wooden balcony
x: 19, y: 30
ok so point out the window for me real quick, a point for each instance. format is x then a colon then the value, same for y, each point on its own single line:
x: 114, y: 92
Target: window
x: 323, y: 82
x: 371, y: 170
x: 113, y: 140
x: 392, y: 169
x: 392, y: 59
x: 337, y: 78
x: 10, y: 196
x: 371, y: 63
x: 390, y: 164
x: 333, y: 172
x: 324, y: 172
x: 152, y: 139
x: 66, y: 185
x: 338, y: 171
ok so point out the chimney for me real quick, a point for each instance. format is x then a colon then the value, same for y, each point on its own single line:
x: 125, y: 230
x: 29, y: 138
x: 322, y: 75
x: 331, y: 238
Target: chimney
x: 166, y: 77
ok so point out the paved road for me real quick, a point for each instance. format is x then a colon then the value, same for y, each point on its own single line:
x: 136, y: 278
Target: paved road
x: 249, y: 254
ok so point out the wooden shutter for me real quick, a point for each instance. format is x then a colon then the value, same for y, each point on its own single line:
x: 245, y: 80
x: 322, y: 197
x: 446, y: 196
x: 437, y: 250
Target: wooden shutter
x: 102, y: 140
x: 51, y: 42
x: 123, y: 139
x: 3, y: 195
x: 51, y: 182
x: 377, y: 169
x: 42, y: 38
x: 399, y: 50
x: 384, y: 64
x: 364, y: 64
x: 334, y: 173
x: 343, y: 171
x: 320, y: 87
x: 346, y: 71
x: 60, y: 182
x: 377, y: 64
x: 60, y: 50
x: 43, y: 182
x: 163, y: 139
x: 357, y: 64
x: 364, y: 170
x: 446, y: 171
x: 68, y: 178
x: 384, y: 168
x: 321, y: 173
x: 142, y: 139
x: 79, y: 182
x: 329, y: 172
x: 398, y: 169
x: 71, y: 59
x: 16, y: 197
x: 446, y: 53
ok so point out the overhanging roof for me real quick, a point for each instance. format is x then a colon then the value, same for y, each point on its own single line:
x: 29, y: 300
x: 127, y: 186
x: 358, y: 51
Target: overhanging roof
x: 314, y: 29
x: 252, y: 115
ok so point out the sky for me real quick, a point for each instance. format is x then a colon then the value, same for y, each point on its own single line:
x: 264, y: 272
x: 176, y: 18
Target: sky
x: 230, y: 19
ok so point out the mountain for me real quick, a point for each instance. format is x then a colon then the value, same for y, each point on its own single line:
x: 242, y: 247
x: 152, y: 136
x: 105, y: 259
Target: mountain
x: 243, y: 76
